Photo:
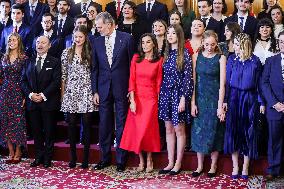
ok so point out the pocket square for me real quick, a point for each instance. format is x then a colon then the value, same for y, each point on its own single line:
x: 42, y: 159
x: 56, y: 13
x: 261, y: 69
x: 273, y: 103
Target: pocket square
x: 48, y: 69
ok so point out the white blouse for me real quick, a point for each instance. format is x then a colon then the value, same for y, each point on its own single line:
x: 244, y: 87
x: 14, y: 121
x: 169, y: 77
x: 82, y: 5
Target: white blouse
x: 277, y: 29
x: 261, y: 52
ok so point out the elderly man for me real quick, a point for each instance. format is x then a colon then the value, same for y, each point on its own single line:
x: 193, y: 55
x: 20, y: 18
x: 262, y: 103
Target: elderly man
x: 41, y: 82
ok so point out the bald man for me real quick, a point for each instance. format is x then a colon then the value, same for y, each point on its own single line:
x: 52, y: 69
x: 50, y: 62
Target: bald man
x: 41, y: 84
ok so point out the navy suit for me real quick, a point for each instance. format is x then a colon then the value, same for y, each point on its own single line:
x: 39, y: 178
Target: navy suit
x: 25, y: 33
x: 158, y: 11
x: 34, y: 22
x: 43, y: 114
x: 76, y: 9
x: 273, y: 90
x: 111, y: 9
x: 250, y: 25
x: 57, y: 45
x: 67, y: 27
x: 111, y: 83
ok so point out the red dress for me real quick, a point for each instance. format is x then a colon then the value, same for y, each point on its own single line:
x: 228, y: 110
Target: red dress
x: 141, y: 131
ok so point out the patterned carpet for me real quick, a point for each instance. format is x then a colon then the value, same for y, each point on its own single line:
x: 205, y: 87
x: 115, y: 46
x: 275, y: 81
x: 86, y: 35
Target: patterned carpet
x: 59, y: 177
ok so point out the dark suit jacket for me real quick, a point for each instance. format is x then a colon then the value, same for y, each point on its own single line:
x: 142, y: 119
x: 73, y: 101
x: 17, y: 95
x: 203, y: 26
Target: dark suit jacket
x: 25, y: 33
x: 272, y: 86
x: 76, y: 9
x: 250, y: 25
x: 158, y: 11
x: 57, y: 45
x: 116, y: 76
x: 34, y: 22
x: 48, y: 81
x: 67, y: 27
x: 111, y: 9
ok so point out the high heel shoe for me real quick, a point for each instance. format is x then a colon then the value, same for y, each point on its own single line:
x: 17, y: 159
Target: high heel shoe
x: 212, y: 173
x: 149, y: 168
x: 140, y: 168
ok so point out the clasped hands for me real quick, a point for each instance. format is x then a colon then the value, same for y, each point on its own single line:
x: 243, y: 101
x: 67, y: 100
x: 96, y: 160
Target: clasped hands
x: 279, y: 107
x: 36, y: 97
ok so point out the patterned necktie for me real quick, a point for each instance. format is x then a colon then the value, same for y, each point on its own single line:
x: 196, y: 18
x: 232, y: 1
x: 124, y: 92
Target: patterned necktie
x: 84, y: 8
x: 242, y: 22
x: 108, y: 50
x: 32, y: 11
x: 118, y: 8
x: 15, y: 29
x: 59, y: 31
x: 148, y: 10
x: 38, y: 64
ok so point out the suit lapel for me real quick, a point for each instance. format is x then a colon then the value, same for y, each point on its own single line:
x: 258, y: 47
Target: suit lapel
x: 117, y: 46
x: 278, y: 68
x: 37, y: 11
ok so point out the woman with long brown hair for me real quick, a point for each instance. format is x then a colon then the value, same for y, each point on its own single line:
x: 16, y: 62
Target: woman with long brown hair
x: 77, y: 98
x: 175, y: 95
x: 12, y: 113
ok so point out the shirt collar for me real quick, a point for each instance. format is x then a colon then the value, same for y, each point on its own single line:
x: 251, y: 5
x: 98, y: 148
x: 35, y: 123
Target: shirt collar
x: 113, y: 34
x: 17, y: 24
x: 48, y: 34
x: 34, y: 4
x: 282, y: 56
x: 42, y: 57
x: 62, y: 17
x: 245, y: 16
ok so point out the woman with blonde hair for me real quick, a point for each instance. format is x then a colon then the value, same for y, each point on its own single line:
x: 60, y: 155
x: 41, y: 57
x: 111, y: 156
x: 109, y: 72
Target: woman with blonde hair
x: 242, y: 104
x: 12, y: 112
x: 175, y: 95
x: 209, y: 74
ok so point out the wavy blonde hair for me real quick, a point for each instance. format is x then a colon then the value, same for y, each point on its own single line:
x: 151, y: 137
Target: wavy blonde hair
x: 245, y: 45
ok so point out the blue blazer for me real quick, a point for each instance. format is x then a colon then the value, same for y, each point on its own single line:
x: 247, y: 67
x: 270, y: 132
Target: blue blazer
x: 272, y: 86
x: 47, y: 81
x: 25, y: 33
x: 158, y: 11
x: 34, y: 22
x: 67, y: 27
x: 76, y: 9
x: 116, y: 77
x: 250, y: 25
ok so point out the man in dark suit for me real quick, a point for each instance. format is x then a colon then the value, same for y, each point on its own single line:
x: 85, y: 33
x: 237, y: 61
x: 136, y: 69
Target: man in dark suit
x: 204, y: 8
x: 33, y: 14
x: 110, y: 76
x: 64, y: 24
x: 272, y: 85
x: 21, y: 28
x: 82, y: 8
x: 115, y: 9
x: 242, y: 17
x: 57, y: 43
x: 150, y: 11
x: 41, y: 81
x: 5, y: 17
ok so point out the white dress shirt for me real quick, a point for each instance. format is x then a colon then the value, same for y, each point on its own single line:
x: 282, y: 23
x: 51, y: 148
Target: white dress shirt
x: 244, y: 20
x: 111, y: 41
x: 121, y: 4
x: 151, y: 5
x: 277, y: 29
x: 63, y: 18
x: 261, y: 52
x: 282, y: 65
x: 48, y: 34
x: 33, y: 5
x: 88, y: 4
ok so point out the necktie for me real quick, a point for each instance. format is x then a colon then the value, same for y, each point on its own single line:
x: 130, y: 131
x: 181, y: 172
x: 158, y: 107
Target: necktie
x: 59, y: 31
x: 108, y: 50
x: 15, y: 29
x: 204, y: 19
x: 118, y: 8
x: 84, y: 8
x: 148, y: 10
x: 241, y: 22
x: 32, y: 11
x: 38, y: 64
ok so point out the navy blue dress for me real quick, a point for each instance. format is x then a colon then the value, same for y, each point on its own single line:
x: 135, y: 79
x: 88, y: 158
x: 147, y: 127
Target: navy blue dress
x: 175, y: 85
x: 242, y: 80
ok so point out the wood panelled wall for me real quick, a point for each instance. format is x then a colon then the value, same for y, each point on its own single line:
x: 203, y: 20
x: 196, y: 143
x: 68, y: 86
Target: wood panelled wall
x: 257, y: 5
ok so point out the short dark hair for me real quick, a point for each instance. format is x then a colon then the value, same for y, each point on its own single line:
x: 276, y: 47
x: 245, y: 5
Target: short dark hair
x: 67, y: 1
x: 281, y: 33
x: 48, y: 14
x: 7, y: 1
x: 19, y: 6
x: 276, y: 7
x: 80, y: 16
x: 209, y: 2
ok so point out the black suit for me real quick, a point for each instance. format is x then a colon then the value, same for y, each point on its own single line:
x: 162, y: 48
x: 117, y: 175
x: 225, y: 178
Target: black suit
x: 34, y: 22
x: 111, y: 9
x: 250, y: 25
x: 158, y: 11
x: 67, y: 27
x: 42, y: 114
x: 76, y: 9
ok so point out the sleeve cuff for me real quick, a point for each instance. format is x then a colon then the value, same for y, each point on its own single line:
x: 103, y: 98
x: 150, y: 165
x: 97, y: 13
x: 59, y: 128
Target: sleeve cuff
x: 30, y: 95
x: 42, y: 95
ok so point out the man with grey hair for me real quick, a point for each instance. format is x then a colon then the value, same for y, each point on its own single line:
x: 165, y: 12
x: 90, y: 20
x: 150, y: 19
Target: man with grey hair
x: 113, y: 52
x: 41, y: 81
